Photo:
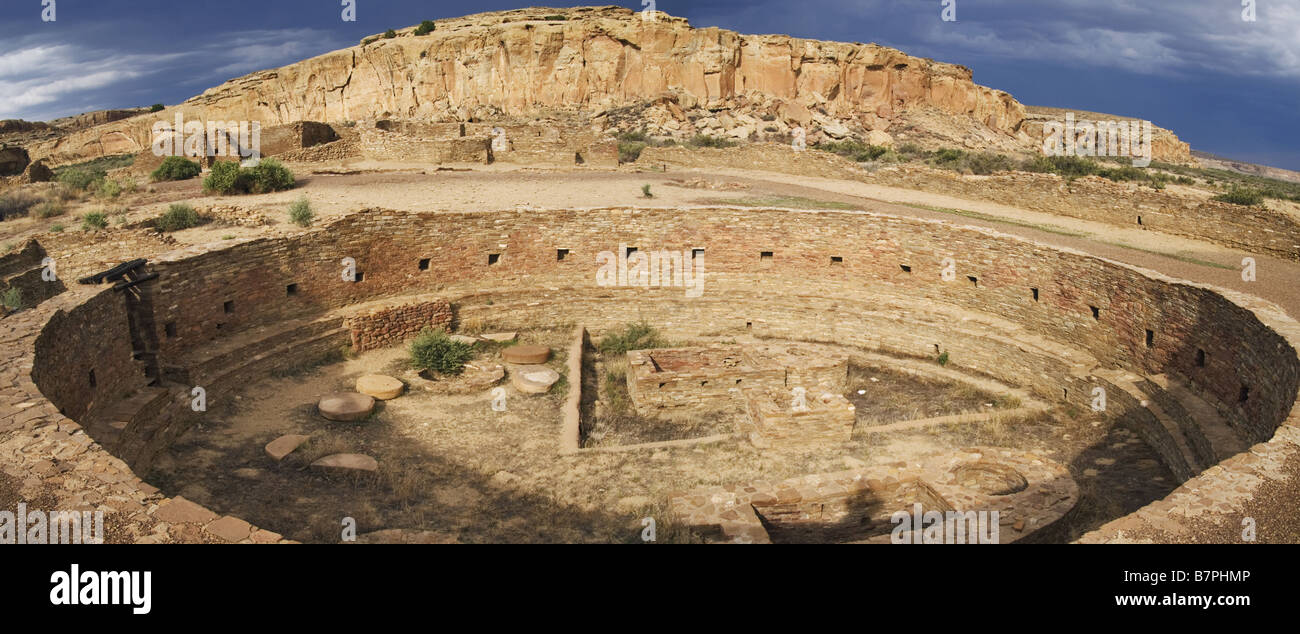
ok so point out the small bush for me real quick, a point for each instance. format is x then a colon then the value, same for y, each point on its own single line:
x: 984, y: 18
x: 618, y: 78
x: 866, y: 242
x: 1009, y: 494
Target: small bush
x: 390, y: 34
x: 157, y: 108
x: 555, y: 18
x: 94, y: 221
x: 177, y: 217
x: 12, y: 299
x: 426, y: 27
x: 368, y: 41
x: 943, y: 358
x: 50, y: 209
x: 270, y: 175
x: 56, y: 227
x: 986, y: 163
x: 300, y: 213
x: 641, y: 336
x: 435, y: 351
x: 645, y: 191
x: 226, y: 177
x: 1241, y: 196
x: 176, y: 168
x: 107, y: 188
x: 78, y: 178
x: 630, y: 151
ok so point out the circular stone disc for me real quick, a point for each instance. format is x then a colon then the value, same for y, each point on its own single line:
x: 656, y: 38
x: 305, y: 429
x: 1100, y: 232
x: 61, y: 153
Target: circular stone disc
x: 533, y: 379
x: 526, y: 354
x: 346, y: 406
x: 380, y: 386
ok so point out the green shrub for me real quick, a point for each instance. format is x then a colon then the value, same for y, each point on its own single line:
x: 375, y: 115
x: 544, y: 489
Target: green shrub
x: 226, y: 177
x: 107, y: 188
x: 943, y: 358
x: 555, y: 18
x: 12, y: 299
x: 368, y: 41
x: 177, y: 217
x: 630, y: 151
x: 300, y: 213
x: 176, y: 168
x: 50, y: 209
x: 640, y: 336
x: 1241, y: 196
x: 986, y: 163
x: 80, y: 178
x: 855, y: 150
x: 390, y: 34
x: 270, y: 175
x: 435, y: 351
x: 426, y: 27
x: 56, y: 227
x: 645, y: 191
x: 93, y: 221
x: 157, y: 108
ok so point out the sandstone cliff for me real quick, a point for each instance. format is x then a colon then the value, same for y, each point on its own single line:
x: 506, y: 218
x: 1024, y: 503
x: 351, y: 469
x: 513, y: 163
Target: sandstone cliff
x: 592, y: 63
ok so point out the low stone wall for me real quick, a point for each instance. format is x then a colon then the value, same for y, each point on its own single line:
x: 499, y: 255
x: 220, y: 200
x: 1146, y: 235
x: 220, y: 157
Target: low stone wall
x: 772, y: 419
x: 1099, y: 199
x: 386, y: 327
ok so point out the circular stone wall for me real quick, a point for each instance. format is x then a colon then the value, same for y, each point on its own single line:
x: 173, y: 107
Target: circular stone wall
x: 1053, y: 321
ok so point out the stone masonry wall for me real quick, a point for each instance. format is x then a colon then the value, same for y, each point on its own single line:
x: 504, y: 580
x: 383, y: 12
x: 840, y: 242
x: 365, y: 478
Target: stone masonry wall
x: 776, y: 276
x: 381, y: 328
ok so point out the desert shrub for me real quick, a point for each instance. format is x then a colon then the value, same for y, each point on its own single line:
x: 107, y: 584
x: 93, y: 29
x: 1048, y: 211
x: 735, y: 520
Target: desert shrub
x: 640, y: 336
x: 704, y: 140
x: 79, y: 178
x: 426, y: 27
x: 645, y: 191
x: 176, y: 168
x: 1241, y: 196
x: 93, y: 221
x: 300, y: 213
x: 56, y: 227
x: 985, y: 163
x: 1070, y: 167
x: 855, y: 150
x: 18, y: 204
x: 12, y: 299
x: 435, y: 351
x: 107, y: 188
x: 226, y: 177
x: 555, y: 18
x: 50, y: 209
x: 270, y: 175
x: 177, y: 217
x: 157, y: 108
x: 390, y: 34
x: 911, y: 151
x: 942, y: 359
x: 630, y: 151
x: 368, y: 41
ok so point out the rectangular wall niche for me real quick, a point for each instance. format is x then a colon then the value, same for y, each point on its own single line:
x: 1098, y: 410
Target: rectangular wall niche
x: 291, y: 289
x: 560, y: 254
x: 424, y: 263
x: 493, y: 258
x: 836, y: 260
x: 765, y: 256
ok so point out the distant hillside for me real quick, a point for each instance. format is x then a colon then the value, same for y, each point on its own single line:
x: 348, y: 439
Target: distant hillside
x: 1211, y: 161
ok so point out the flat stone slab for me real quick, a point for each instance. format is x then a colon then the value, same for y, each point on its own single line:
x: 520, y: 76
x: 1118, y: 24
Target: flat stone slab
x: 501, y: 337
x: 381, y: 387
x: 464, y: 339
x: 284, y: 445
x: 182, y: 511
x: 526, y: 355
x: 231, y: 529
x: 346, y: 406
x: 483, y: 375
x: 347, y: 462
x: 533, y: 379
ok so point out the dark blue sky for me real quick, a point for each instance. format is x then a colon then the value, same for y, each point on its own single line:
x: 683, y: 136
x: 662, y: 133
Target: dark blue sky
x: 1224, y: 84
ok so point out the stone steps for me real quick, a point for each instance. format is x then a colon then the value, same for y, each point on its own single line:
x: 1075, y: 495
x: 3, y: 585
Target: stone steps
x: 1224, y: 442
x: 200, y: 368
x: 1130, y: 384
x: 108, y: 426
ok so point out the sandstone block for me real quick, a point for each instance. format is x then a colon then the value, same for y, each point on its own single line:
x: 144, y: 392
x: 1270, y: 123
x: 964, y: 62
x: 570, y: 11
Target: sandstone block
x: 346, y: 406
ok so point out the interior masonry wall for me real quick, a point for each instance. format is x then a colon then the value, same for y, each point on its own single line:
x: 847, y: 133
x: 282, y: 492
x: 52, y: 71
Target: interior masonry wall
x: 1023, y: 313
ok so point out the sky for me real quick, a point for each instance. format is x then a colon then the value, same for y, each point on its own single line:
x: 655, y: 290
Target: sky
x: 1225, y: 84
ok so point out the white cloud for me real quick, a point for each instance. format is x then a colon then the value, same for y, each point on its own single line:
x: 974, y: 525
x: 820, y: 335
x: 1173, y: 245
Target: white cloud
x: 42, y: 81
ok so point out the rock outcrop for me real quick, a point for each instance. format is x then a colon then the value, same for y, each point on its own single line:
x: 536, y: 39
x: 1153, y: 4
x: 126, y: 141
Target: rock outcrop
x: 592, y: 61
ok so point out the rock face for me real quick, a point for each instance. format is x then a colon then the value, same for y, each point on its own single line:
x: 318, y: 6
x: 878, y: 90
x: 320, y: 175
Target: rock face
x: 596, y: 60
